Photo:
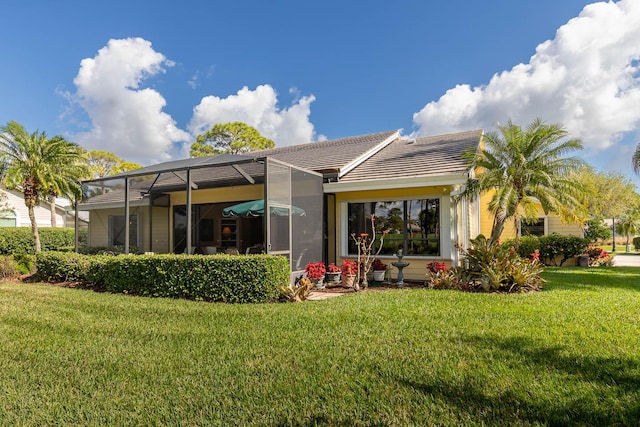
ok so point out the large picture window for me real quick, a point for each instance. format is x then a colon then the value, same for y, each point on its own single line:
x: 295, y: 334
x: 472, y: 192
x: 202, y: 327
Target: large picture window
x: 412, y: 225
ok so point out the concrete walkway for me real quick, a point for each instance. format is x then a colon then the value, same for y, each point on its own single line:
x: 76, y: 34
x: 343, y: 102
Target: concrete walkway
x: 623, y: 260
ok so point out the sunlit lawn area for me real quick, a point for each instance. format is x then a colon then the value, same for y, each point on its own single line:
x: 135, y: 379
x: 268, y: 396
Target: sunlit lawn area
x: 566, y: 356
x: 620, y: 249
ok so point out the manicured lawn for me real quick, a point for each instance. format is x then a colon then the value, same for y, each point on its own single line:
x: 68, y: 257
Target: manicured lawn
x: 567, y: 356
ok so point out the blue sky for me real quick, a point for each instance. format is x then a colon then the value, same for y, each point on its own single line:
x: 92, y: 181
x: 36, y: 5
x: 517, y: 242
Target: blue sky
x: 141, y: 78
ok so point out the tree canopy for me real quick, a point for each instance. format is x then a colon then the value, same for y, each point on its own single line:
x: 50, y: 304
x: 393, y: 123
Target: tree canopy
x: 233, y: 138
x: 607, y: 194
x: 105, y: 163
x: 524, y: 169
x: 40, y: 167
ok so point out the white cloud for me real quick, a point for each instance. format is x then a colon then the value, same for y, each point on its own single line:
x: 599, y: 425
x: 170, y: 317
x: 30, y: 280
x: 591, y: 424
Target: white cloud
x: 258, y: 108
x: 587, y: 78
x: 126, y: 118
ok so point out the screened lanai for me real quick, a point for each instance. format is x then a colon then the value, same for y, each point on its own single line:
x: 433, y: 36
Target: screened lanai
x: 184, y: 207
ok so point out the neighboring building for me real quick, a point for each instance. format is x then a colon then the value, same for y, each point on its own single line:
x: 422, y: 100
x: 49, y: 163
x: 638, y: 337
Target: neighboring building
x: 18, y: 214
x: 318, y: 195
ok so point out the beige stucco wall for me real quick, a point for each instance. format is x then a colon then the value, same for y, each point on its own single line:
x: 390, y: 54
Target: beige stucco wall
x: 99, y: 226
x: 15, y: 201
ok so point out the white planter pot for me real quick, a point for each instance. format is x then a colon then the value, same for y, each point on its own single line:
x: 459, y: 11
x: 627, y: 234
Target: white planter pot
x: 378, y: 275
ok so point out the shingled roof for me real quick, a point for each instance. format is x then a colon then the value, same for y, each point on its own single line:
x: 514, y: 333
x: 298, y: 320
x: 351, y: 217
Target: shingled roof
x: 424, y: 156
x: 325, y: 156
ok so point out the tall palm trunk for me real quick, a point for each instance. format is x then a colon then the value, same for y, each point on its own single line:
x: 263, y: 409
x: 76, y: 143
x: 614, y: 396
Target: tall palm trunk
x: 34, y: 225
x: 30, y: 192
x: 52, y: 206
x: 498, y: 227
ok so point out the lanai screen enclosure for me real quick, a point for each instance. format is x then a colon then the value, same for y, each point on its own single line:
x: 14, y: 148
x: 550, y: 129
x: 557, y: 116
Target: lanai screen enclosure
x: 178, y: 207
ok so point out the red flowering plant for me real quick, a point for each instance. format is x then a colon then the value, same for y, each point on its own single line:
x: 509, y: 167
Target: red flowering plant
x: 436, y: 266
x: 367, y: 252
x: 349, y: 267
x: 315, y: 270
x: 378, y: 265
x: 598, y: 257
x: 332, y: 268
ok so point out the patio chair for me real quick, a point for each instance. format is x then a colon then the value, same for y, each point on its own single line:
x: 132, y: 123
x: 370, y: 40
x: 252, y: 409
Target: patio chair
x: 232, y: 251
x: 255, y: 249
x: 210, y: 250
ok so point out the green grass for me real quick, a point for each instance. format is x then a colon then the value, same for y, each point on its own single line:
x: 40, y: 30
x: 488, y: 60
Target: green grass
x: 620, y: 249
x: 566, y: 356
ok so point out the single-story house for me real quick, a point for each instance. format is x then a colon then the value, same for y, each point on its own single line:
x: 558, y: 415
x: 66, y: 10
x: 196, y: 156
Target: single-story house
x: 17, y: 214
x: 316, y: 196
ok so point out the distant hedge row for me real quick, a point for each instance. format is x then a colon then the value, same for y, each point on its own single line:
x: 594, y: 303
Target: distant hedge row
x: 223, y: 278
x: 554, y: 249
x: 19, y: 240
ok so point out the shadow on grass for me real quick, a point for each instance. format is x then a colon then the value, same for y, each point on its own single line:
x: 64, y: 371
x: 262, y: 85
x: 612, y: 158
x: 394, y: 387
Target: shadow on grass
x: 569, y: 389
x: 592, y: 278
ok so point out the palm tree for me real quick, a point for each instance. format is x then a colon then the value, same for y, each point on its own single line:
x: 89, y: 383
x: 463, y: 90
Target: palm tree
x: 40, y: 167
x: 629, y: 225
x: 636, y: 160
x: 525, y: 168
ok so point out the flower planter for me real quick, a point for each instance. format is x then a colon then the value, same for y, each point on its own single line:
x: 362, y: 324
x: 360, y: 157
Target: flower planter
x: 332, y: 278
x: 378, y: 275
x: 318, y: 283
x: 348, y: 279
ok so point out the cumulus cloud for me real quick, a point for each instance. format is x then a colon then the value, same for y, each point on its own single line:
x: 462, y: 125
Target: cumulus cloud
x: 258, y: 108
x: 126, y: 118
x: 587, y: 78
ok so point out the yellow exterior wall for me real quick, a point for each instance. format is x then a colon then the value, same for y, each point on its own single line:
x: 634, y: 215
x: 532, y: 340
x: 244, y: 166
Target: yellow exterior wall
x: 554, y: 223
x: 214, y: 195
x: 99, y: 227
x: 417, y: 265
x: 160, y: 233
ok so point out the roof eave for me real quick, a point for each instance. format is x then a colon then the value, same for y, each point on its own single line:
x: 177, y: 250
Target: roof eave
x: 394, y: 183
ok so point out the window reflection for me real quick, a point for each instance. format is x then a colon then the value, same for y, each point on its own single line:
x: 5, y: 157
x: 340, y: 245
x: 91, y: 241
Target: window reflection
x: 412, y: 225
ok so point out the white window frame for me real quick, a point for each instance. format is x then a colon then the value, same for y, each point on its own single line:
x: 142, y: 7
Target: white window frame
x: 446, y: 245
x: 10, y: 214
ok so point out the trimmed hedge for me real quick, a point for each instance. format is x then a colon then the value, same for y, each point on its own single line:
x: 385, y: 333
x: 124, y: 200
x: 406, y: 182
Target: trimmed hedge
x: 554, y: 249
x: 636, y: 243
x: 222, y: 278
x: 19, y: 240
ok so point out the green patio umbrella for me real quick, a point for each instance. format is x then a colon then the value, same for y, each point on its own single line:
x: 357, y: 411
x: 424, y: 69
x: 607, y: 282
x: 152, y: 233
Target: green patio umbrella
x: 255, y: 208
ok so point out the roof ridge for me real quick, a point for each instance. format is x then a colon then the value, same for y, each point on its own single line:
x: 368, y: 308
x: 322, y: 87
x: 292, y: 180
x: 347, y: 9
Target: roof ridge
x: 445, y: 135
x: 320, y: 144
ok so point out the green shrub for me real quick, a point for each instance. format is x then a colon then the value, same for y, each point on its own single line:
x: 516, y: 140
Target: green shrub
x: 25, y: 263
x: 636, y: 243
x: 62, y: 267
x: 525, y: 245
x: 456, y: 278
x: 225, y: 278
x: 107, y: 250
x: 555, y: 246
x: 494, y: 267
x: 19, y: 240
x: 554, y: 249
x: 7, y: 268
